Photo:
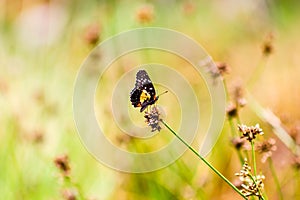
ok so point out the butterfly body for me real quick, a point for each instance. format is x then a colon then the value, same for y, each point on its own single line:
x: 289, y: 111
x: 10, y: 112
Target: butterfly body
x: 143, y: 94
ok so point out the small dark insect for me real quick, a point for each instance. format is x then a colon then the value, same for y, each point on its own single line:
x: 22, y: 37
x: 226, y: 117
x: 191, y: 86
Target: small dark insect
x: 143, y: 94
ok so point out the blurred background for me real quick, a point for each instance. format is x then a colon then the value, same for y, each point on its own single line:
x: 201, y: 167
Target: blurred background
x: 42, y: 45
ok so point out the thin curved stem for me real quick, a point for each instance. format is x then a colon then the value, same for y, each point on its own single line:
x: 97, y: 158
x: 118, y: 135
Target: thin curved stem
x: 272, y: 168
x: 253, y: 158
x: 204, y: 160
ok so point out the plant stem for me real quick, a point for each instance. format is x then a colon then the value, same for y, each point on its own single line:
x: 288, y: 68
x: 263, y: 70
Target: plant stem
x: 257, y: 72
x: 272, y: 168
x: 237, y: 115
x: 69, y: 183
x: 297, y: 183
x: 231, y: 124
x: 204, y: 160
x: 226, y: 90
x: 233, y: 133
x: 253, y: 157
x: 240, y: 156
x: 254, y: 165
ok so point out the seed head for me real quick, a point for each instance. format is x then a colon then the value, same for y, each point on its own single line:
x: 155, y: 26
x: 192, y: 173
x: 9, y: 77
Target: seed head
x: 37, y: 136
x: 145, y: 14
x: 239, y: 143
x: 62, y: 163
x: 250, y: 132
x: 253, y: 188
x: 296, y: 162
x: 223, y: 68
x: 92, y: 34
x: 189, y: 7
x: 267, y: 47
x: 231, y: 110
x: 266, y: 148
x: 245, y: 171
x: 238, y: 95
x: 218, y: 70
x: 250, y: 185
x: 152, y: 119
x: 294, y: 131
x: 70, y: 194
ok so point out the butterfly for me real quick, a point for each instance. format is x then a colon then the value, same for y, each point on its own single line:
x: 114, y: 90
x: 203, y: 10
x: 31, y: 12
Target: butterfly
x: 143, y: 94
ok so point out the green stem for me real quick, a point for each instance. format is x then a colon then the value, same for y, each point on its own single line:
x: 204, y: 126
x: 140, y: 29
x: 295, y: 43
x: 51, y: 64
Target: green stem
x: 232, y: 126
x: 253, y: 157
x: 237, y: 115
x: 257, y: 72
x: 254, y: 165
x: 226, y: 90
x: 70, y: 183
x: 240, y: 156
x: 233, y: 133
x: 205, y: 161
x: 228, y: 100
x: 297, y: 183
x: 272, y: 168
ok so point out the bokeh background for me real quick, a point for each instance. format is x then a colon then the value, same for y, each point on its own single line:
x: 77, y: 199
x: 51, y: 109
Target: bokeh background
x: 43, y: 44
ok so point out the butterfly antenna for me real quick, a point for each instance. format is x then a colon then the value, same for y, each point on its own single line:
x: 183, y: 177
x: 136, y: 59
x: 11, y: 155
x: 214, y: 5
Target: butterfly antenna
x: 163, y: 93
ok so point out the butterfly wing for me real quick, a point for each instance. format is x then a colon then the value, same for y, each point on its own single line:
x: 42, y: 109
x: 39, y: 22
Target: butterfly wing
x: 135, y: 97
x: 143, y: 94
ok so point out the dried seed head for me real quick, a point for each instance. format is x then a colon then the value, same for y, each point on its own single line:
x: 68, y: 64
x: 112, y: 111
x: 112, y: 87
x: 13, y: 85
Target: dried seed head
x: 294, y: 131
x: 266, y: 148
x: 244, y: 172
x: 250, y: 185
x: 238, y: 101
x: 70, y: 194
x: 231, y: 110
x: 218, y: 69
x: 152, y: 119
x: 242, y: 102
x: 253, y: 188
x: 250, y: 132
x: 223, y: 68
x: 239, y: 143
x: 145, y: 14
x: 267, y: 47
x: 238, y: 95
x: 189, y: 7
x: 296, y: 162
x: 92, y: 34
x: 238, y: 91
x: 62, y: 163
x: 37, y: 136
